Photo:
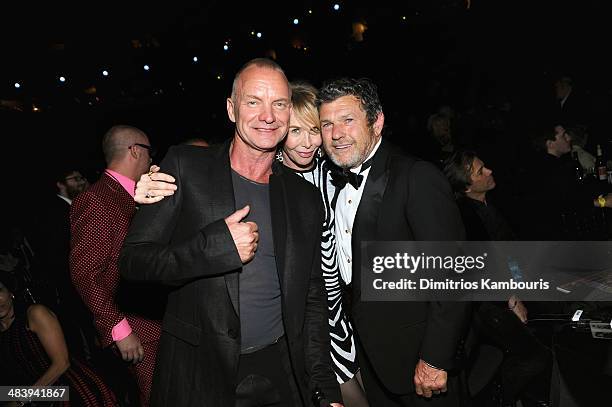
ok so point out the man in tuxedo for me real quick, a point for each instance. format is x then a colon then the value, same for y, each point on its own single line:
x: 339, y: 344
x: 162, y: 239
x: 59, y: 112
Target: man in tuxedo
x: 99, y: 218
x: 53, y: 252
x: 405, y: 349
x: 51, y: 243
x: 239, y: 239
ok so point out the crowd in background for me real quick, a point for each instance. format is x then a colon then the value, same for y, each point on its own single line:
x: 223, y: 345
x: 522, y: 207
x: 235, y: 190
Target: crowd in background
x: 532, y: 176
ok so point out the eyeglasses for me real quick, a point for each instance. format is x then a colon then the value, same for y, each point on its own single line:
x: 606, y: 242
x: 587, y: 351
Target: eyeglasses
x: 150, y: 149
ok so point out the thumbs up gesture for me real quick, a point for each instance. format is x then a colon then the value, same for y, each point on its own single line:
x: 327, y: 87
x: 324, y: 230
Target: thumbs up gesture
x: 245, y: 234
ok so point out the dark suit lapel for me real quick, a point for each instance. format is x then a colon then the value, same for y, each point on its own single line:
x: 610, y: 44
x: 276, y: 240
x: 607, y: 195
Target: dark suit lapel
x: 219, y: 174
x: 366, y: 218
x: 279, y: 223
x: 373, y: 192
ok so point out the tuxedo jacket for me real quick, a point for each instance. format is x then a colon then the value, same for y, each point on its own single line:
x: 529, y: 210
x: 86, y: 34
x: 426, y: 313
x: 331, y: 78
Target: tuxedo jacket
x: 99, y: 219
x: 405, y: 199
x: 575, y: 111
x: 52, y: 238
x: 51, y: 242
x: 183, y: 241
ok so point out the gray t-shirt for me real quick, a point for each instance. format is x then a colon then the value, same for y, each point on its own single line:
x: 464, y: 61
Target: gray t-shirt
x: 261, y: 319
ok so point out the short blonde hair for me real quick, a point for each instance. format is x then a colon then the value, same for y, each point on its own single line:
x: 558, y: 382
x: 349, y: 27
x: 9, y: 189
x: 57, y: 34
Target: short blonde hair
x: 303, y: 99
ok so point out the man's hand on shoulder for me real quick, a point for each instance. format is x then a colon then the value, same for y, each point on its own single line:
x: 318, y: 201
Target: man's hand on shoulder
x: 154, y: 186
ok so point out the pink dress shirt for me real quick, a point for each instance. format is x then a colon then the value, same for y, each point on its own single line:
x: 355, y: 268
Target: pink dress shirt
x: 123, y: 328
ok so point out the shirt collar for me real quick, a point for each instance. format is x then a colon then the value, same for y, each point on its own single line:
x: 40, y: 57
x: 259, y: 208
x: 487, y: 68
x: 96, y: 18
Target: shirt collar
x: 68, y: 200
x: 565, y: 98
x: 127, y: 183
x: 358, y: 169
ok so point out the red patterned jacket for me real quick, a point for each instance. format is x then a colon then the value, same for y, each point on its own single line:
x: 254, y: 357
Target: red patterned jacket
x: 99, y: 221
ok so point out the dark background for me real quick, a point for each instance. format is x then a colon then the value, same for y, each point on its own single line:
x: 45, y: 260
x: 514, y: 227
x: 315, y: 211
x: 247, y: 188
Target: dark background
x: 441, y: 52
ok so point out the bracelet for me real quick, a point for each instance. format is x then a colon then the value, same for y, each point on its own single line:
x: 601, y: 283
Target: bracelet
x: 432, y: 366
x: 602, y: 201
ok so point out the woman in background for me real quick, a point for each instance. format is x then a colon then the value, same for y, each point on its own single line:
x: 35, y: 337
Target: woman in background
x: 34, y: 353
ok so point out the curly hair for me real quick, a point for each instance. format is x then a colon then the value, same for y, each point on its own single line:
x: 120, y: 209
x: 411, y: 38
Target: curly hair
x: 363, y: 89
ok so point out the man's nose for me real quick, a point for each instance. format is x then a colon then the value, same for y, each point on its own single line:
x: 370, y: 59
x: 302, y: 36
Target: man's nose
x: 267, y: 114
x: 337, y: 133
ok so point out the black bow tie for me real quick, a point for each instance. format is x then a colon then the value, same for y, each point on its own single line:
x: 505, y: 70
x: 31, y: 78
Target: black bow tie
x: 342, y: 176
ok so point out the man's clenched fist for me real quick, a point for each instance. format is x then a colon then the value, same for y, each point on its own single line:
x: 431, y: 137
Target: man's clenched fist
x: 245, y: 234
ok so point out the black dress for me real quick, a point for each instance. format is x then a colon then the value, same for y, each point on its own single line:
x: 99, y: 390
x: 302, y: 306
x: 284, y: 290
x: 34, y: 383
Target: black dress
x: 24, y: 360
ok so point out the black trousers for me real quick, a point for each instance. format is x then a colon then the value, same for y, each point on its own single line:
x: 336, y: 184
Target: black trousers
x: 527, y: 364
x: 264, y: 381
x: 379, y: 396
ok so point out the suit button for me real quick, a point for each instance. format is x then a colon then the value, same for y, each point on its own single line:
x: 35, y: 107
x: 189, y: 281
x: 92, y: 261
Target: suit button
x: 232, y: 333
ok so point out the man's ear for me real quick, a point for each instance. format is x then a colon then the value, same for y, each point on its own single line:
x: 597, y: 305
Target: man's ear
x: 379, y: 123
x: 229, y: 104
x: 133, y: 152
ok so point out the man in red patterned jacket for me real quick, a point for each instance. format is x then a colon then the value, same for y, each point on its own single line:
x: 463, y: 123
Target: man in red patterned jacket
x: 99, y: 220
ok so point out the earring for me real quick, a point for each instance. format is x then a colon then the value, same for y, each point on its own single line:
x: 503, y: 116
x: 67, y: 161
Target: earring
x: 279, y: 156
x: 319, y: 153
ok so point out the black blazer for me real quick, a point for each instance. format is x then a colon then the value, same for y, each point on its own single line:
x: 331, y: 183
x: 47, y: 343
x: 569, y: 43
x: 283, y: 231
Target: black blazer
x: 51, y: 239
x: 51, y: 243
x: 183, y: 241
x: 405, y: 199
x: 474, y: 226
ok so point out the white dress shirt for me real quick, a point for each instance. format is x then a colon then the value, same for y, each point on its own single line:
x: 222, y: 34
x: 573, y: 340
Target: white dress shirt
x: 564, y: 99
x: 346, y: 209
x: 68, y: 200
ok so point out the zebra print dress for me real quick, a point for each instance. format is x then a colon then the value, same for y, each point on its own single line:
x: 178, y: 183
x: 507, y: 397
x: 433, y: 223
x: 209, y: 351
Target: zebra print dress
x: 343, y: 352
